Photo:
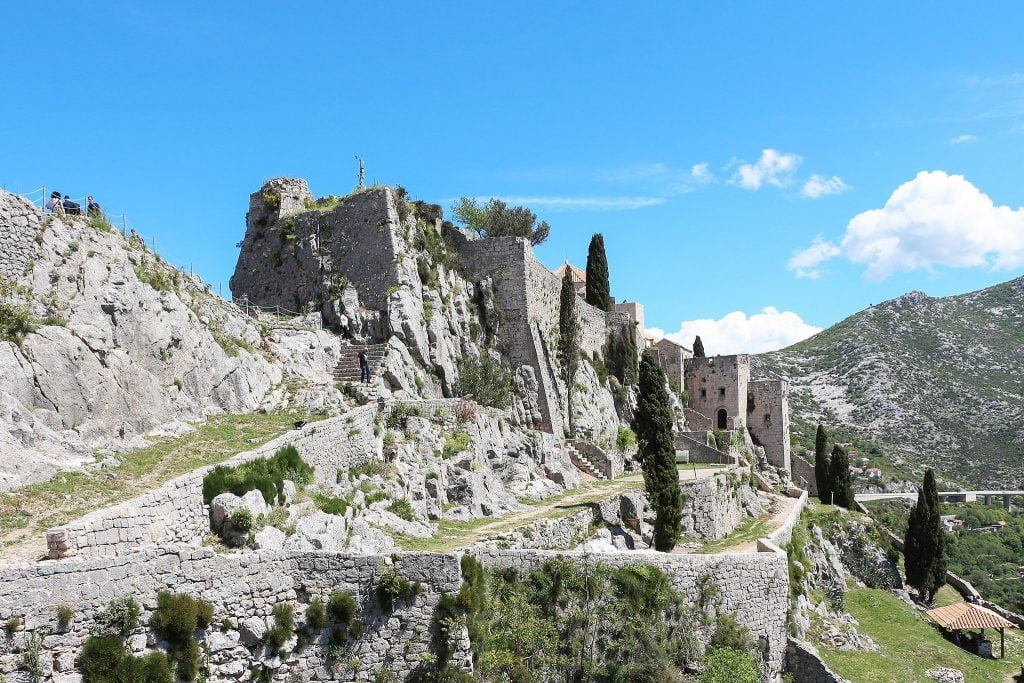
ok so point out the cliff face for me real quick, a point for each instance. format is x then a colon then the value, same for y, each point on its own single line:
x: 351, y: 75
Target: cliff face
x: 122, y: 344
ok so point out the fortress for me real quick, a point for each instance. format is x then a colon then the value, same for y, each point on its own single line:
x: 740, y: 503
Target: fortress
x: 424, y: 295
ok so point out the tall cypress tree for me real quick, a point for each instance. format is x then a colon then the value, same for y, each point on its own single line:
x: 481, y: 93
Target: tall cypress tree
x: 599, y: 289
x: 822, y: 470
x: 629, y: 354
x: 924, y: 552
x: 652, y: 422
x: 698, y: 347
x: 842, y: 487
x: 569, y: 340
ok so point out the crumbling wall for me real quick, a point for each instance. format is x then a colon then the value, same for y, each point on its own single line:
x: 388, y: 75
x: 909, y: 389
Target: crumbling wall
x: 19, y: 223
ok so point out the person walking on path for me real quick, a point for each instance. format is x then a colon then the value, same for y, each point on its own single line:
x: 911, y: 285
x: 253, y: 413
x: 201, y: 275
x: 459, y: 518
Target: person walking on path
x: 364, y: 367
x: 92, y: 208
x: 55, y: 205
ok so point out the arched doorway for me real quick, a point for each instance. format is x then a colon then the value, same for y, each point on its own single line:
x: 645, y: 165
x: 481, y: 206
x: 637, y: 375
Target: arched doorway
x: 723, y: 418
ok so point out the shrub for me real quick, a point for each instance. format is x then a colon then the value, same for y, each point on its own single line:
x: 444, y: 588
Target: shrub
x: 316, y: 614
x: 118, y: 618
x: 724, y: 665
x: 730, y: 634
x: 284, y: 626
x: 15, y: 323
x: 154, y: 277
x: 374, y: 468
x: 178, y: 615
x: 98, y: 222
x: 343, y: 607
x: 242, y: 521
x: 267, y: 475
x: 625, y: 439
x: 456, y: 443
x: 65, y: 615
x: 486, y: 379
x: 12, y: 625
x: 399, y: 416
x: 402, y: 508
x: 332, y: 505
x: 465, y: 410
x: 105, y: 659
x: 393, y: 586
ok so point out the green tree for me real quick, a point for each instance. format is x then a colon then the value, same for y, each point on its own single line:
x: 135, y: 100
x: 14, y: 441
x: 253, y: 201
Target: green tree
x: 925, y: 542
x: 698, y: 347
x: 652, y: 422
x: 724, y: 665
x: 841, y: 483
x: 622, y: 353
x: 822, y: 472
x: 497, y: 219
x: 486, y: 379
x: 569, y: 340
x: 599, y: 289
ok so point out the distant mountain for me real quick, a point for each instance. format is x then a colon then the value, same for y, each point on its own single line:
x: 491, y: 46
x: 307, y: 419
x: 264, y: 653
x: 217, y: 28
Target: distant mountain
x: 931, y: 382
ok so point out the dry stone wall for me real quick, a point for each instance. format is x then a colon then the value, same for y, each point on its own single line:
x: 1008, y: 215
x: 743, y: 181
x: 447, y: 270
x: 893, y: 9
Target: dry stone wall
x: 714, y: 506
x: 17, y: 233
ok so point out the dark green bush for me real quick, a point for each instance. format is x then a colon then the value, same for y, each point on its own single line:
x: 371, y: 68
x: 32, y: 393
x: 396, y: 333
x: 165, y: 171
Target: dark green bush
x: 393, y: 586
x: 178, y: 615
x: 486, y: 379
x: 267, y: 475
x: 105, y: 659
x: 284, y: 626
x: 399, y: 416
x: 402, y: 508
x: 242, y: 521
x: 332, y: 505
x: 15, y: 323
x: 316, y: 614
x: 343, y: 608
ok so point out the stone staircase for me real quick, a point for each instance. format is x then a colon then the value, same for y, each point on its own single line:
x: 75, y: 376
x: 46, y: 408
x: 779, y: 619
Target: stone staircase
x: 347, y: 371
x: 583, y: 462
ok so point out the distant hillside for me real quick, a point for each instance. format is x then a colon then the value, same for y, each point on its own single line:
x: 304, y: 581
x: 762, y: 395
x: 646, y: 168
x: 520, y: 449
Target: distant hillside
x: 936, y: 382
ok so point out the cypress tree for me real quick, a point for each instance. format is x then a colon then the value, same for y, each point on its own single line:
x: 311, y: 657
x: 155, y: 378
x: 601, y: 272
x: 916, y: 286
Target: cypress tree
x: 569, y: 340
x: 698, y: 347
x: 842, y: 487
x: 652, y: 422
x: 822, y: 470
x: 629, y: 353
x: 924, y: 551
x: 599, y: 289
x: 937, y: 537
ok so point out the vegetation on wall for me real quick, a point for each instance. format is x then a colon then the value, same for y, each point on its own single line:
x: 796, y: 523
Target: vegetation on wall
x: 622, y: 354
x: 497, y: 219
x: 267, y: 475
x: 652, y: 423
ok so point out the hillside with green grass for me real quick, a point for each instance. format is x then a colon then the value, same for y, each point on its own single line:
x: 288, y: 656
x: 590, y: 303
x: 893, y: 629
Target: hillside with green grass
x: 923, y: 381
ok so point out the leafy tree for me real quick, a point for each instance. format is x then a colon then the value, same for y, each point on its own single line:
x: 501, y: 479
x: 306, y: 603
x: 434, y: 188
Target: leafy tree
x: 497, y: 219
x: 841, y: 482
x: 698, y: 347
x: 569, y: 340
x: 652, y: 422
x: 599, y: 289
x: 925, y: 542
x: 822, y: 472
x: 486, y: 379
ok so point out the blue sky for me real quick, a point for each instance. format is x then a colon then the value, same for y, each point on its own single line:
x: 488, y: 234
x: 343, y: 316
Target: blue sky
x: 648, y: 123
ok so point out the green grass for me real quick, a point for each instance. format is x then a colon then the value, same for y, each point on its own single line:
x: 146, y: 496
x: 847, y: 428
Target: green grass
x: 30, y: 510
x: 750, y: 529
x: 910, y: 645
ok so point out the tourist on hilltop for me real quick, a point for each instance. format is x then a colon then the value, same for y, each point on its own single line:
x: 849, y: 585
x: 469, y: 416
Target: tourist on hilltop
x: 55, y: 205
x: 72, y: 208
x: 364, y: 367
x: 92, y: 208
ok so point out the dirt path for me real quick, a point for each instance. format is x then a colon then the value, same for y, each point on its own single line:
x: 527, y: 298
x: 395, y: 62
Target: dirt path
x: 783, y: 506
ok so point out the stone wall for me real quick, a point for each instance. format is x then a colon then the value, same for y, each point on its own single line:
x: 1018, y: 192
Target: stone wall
x: 783, y: 533
x: 175, y: 513
x: 717, y: 383
x: 768, y: 419
x: 807, y: 666
x: 753, y: 586
x: 18, y: 228
x: 803, y: 474
x: 714, y: 506
x: 243, y: 587
x: 672, y: 357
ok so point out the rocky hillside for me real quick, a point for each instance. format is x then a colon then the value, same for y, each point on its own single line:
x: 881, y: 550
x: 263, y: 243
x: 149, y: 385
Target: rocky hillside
x: 932, y: 381
x: 101, y: 342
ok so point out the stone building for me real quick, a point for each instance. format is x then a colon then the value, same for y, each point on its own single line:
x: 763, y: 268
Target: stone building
x: 578, y: 277
x: 720, y: 389
x: 671, y: 357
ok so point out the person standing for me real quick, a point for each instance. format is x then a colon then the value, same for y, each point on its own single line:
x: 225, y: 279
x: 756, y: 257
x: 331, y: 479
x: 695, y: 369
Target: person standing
x: 92, y: 208
x: 71, y: 208
x: 343, y: 325
x: 55, y: 205
x: 364, y: 366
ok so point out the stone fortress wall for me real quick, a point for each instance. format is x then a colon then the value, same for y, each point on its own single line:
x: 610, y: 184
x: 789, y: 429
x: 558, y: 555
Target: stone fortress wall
x: 17, y: 235
x: 768, y: 419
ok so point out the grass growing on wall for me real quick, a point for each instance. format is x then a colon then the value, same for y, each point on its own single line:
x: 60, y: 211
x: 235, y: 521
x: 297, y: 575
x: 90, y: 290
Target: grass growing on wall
x: 28, y: 511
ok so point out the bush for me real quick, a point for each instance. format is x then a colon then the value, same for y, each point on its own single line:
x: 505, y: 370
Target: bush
x: 12, y: 625
x: 154, y: 277
x: 118, y: 618
x: 465, y: 410
x: 399, y: 416
x: 267, y: 475
x: 65, y: 615
x: 625, y: 439
x: 105, y: 659
x: 730, y: 634
x: 486, y: 379
x: 242, y: 521
x: 332, y: 505
x: 316, y: 614
x: 343, y: 607
x: 178, y: 615
x: 402, y: 508
x: 393, y: 586
x: 98, y: 222
x: 284, y: 626
x: 724, y: 665
x: 15, y: 323
x: 456, y: 443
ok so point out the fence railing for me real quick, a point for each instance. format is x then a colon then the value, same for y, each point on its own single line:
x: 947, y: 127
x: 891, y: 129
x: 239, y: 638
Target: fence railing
x: 254, y: 310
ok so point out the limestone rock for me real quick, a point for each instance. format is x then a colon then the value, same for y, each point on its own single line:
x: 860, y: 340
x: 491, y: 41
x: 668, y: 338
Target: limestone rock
x: 269, y: 538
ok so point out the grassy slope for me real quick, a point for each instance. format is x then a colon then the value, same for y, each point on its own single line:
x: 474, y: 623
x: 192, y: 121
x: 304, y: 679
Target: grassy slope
x: 930, y: 381
x: 910, y: 645
x: 28, y: 511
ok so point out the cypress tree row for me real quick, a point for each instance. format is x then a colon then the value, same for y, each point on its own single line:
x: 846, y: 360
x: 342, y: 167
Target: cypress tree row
x: 569, y: 340
x: 924, y: 546
x: 599, y: 289
x: 842, y: 486
x: 698, y: 347
x: 652, y: 422
x: 822, y: 469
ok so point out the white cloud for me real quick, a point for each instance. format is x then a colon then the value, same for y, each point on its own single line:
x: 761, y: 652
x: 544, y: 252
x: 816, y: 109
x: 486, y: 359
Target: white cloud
x: 583, y: 203
x: 820, y: 186
x: 804, y: 262
x: 960, y: 139
x: 737, y: 333
x: 773, y: 168
x: 936, y: 219
x: 701, y: 173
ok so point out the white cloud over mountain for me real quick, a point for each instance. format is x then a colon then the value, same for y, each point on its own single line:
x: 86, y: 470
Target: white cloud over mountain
x: 934, y: 220
x: 768, y: 330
